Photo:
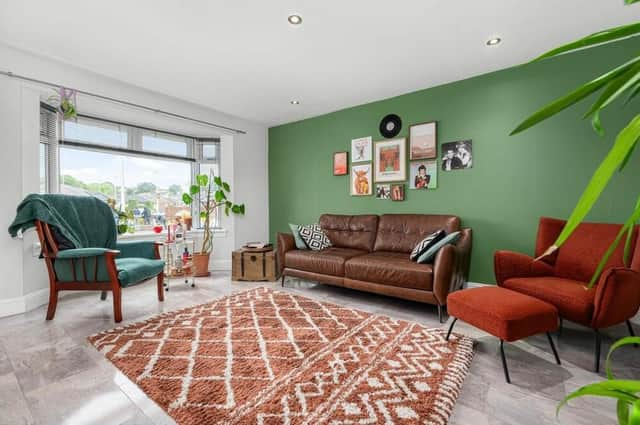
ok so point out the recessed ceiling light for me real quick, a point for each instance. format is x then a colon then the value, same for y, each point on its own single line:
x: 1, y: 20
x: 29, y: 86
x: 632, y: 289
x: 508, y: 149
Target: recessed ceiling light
x: 493, y: 41
x: 295, y: 19
x: 295, y: 102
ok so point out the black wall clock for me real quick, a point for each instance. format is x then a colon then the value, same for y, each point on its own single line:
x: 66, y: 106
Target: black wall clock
x: 390, y: 126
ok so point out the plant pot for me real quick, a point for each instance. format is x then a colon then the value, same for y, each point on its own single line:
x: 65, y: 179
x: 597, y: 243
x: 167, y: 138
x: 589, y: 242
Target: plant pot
x: 201, y: 264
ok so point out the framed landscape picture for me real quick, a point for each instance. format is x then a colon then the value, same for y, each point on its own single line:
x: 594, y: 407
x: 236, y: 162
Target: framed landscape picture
x: 423, y: 141
x: 361, y: 180
x: 423, y: 175
x: 390, y: 160
x: 340, y: 163
x: 361, y: 149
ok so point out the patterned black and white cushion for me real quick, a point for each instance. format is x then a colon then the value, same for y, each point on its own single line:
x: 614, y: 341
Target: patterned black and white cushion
x: 314, y: 237
x: 426, y: 243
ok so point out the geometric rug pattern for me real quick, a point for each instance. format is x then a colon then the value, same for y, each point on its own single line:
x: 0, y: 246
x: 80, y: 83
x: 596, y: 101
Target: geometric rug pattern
x: 268, y: 357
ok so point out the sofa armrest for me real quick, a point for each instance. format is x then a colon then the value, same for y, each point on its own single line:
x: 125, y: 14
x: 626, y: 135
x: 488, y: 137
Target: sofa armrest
x: 508, y: 264
x: 617, y: 297
x: 451, y: 266
x: 286, y: 242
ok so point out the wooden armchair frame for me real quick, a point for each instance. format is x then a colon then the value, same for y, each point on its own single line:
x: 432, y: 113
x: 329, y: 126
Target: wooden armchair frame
x: 86, y: 283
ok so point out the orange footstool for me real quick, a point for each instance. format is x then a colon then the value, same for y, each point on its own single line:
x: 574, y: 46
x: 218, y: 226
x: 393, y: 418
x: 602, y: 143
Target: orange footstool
x: 505, y: 314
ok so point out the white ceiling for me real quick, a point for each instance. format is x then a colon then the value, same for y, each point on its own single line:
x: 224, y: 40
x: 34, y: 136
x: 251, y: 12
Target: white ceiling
x: 242, y: 57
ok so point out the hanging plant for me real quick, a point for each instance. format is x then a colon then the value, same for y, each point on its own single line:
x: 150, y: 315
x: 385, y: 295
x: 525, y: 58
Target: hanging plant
x: 65, y: 103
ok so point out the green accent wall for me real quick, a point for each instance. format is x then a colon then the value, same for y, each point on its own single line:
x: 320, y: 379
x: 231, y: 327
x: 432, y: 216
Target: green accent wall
x: 514, y: 180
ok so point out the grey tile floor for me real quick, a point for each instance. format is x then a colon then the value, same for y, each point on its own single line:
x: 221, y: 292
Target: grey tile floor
x: 49, y: 374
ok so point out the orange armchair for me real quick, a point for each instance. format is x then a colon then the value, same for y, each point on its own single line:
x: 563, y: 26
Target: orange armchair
x: 562, y: 278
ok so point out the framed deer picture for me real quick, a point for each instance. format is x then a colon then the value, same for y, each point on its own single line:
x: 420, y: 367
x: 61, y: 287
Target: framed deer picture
x: 361, y: 184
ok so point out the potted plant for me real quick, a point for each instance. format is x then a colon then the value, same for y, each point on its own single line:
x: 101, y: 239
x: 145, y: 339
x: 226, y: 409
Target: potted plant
x: 209, y: 193
x: 65, y: 101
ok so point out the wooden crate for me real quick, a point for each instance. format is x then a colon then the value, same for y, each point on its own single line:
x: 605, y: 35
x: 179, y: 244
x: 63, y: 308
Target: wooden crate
x: 254, y: 265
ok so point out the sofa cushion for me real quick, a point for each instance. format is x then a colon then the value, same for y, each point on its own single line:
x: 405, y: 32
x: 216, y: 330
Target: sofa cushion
x: 136, y: 270
x: 328, y: 261
x: 390, y: 268
x: 350, y: 231
x: 422, y: 246
x: 300, y: 244
x: 570, y: 297
x: 402, y: 232
x: 314, y: 237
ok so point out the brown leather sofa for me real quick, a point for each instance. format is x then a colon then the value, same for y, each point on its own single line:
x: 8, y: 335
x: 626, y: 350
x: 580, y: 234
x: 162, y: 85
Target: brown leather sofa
x: 371, y: 253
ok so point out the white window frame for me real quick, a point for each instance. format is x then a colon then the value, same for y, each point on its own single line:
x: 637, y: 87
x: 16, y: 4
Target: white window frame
x: 134, y: 148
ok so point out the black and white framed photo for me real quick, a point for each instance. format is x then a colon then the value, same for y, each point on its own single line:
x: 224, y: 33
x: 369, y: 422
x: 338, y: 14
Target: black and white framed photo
x: 457, y: 155
x: 361, y: 149
x: 383, y: 191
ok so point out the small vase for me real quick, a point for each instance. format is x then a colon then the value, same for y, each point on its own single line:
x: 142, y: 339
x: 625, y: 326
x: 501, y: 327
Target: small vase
x: 201, y: 264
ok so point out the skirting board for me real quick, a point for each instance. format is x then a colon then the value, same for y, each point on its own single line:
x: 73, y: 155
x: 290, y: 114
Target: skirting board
x: 32, y: 300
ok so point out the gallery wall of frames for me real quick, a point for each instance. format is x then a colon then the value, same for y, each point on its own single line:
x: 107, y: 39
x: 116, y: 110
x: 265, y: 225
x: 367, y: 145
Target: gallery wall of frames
x: 386, y: 167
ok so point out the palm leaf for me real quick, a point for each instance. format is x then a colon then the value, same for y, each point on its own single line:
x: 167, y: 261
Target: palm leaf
x: 601, y: 37
x: 634, y: 415
x: 624, y: 143
x: 628, y: 340
x: 628, y: 225
x: 575, y: 96
x: 615, y: 88
x: 622, y: 410
x: 618, y: 389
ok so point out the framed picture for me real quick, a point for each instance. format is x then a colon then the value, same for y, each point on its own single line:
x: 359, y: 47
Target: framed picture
x: 423, y: 141
x: 397, y: 192
x: 390, y: 160
x: 457, y: 155
x: 383, y: 191
x: 340, y: 163
x: 423, y: 174
x: 361, y: 149
x: 361, y: 180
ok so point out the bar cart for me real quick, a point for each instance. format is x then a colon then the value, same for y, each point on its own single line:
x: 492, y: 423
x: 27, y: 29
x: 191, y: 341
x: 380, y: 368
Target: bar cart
x: 178, y: 259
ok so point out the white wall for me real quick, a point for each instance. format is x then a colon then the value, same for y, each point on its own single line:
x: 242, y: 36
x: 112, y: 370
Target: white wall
x: 244, y: 160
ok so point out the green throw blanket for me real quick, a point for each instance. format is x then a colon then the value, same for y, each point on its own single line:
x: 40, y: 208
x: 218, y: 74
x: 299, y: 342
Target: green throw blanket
x: 86, y: 221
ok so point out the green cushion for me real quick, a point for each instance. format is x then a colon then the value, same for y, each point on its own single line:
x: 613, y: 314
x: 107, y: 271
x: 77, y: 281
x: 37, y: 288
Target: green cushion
x: 136, y: 270
x: 142, y: 249
x: 430, y: 253
x: 300, y: 244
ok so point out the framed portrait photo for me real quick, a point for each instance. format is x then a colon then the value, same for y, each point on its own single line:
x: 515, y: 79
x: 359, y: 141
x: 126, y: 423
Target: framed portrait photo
x: 340, y: 163
x: 457, y: 155
x: 383, y: 191
x: 361, y: 180
x: 423, y: 175
x: 390, y: 161
x: 361, y: 149
x: 423, y: 141
x: 397, y: 192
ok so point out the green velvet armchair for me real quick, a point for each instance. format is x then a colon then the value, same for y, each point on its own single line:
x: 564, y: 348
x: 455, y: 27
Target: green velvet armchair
x: 99, y: 269
x: 80, y: 248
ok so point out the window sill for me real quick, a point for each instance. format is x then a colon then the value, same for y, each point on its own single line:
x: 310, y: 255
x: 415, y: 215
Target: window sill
x: 151, y: 235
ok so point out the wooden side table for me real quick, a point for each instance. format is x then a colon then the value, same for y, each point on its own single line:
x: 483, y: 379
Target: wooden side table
x: 250, y: 264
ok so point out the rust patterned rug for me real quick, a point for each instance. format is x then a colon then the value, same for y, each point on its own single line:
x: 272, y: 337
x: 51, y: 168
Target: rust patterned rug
x: 271, y: 357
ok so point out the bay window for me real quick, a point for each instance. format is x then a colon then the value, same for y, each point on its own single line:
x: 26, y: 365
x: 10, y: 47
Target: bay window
x: 141, y: 172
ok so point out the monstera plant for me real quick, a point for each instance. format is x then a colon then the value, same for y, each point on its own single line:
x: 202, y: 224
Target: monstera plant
x: 623, y: 81
x: 209, y: 195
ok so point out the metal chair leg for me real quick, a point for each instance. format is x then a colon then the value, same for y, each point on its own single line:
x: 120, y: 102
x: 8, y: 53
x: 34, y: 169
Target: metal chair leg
x: 631, y: 333
x: 440, y: 313
x: 553, y: 348
x: 282, y: 284
x: 103, y: 295
x: 597, y: 355
x: 451, y: 328
x: 504, y: 363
